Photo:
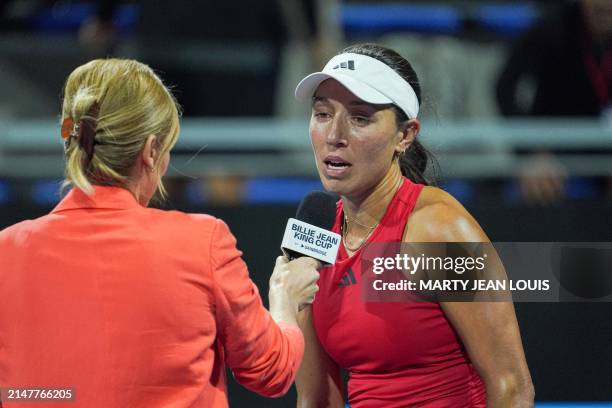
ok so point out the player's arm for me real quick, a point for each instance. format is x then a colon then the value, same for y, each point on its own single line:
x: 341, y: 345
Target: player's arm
x: 319, y: 381
x: 489, y: 330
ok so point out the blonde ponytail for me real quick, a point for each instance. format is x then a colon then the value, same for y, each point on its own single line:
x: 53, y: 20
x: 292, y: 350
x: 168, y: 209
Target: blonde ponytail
x: 115, y: 104
x: 77, y: 160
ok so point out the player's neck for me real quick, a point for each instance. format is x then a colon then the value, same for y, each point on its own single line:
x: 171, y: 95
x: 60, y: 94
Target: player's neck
x: 370, y: 209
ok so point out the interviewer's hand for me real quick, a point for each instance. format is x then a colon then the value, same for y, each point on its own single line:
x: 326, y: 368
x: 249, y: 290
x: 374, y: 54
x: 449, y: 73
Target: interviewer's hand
x: 292, y: 285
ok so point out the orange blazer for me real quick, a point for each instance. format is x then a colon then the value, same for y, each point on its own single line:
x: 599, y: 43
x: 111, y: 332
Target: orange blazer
x: 134, y: 307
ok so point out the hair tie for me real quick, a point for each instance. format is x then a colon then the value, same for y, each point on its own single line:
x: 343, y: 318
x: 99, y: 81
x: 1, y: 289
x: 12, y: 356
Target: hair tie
x: 86, y: 131
x: 67, y: 128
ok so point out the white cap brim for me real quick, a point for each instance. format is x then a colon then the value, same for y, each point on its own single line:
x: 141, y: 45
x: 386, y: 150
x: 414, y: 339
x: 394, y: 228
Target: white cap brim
x: 367, y: 78
x: 308, y: 86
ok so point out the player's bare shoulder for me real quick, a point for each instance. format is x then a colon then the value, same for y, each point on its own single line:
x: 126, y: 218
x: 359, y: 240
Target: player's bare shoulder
x: 439, y: 217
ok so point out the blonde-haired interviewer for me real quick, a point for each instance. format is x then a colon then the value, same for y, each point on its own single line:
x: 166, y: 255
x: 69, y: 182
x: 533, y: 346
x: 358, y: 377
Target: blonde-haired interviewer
x: 130, y: 306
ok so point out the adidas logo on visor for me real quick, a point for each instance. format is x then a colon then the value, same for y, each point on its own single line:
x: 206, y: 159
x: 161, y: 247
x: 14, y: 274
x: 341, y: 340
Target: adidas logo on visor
x: 350, y: 64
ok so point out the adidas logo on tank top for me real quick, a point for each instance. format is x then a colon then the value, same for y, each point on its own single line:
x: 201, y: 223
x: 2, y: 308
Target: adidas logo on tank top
x: 348, y: 279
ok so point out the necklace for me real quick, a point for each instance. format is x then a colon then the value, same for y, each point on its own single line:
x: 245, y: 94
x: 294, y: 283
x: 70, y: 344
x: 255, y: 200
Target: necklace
x: 345, y: 224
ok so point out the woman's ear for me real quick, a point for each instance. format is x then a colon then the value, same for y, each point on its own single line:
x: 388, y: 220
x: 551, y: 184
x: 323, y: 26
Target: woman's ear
x: 149, y: 153
x: 408, y: 131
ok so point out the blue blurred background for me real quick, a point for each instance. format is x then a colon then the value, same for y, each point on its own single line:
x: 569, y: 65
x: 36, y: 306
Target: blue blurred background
x: 516, y: 109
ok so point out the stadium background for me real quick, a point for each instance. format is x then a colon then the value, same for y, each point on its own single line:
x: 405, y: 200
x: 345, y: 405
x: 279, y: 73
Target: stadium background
x: 244, y: 153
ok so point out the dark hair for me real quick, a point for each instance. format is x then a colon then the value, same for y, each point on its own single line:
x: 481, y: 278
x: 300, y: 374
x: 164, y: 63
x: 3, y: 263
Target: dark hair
x: 414, y: 162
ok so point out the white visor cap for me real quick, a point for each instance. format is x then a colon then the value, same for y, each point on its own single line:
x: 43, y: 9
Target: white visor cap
x: 367, y: 78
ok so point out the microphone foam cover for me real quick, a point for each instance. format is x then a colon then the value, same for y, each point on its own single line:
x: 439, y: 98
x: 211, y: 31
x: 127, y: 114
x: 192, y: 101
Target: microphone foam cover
x: 318, y: 208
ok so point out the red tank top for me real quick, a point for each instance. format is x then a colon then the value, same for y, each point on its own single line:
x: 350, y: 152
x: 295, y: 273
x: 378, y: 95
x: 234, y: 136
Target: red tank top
x: 398, y: 354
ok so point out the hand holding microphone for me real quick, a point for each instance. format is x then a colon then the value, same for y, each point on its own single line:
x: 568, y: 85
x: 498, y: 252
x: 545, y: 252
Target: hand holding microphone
x: 292, y: 285
x: 308, y: 243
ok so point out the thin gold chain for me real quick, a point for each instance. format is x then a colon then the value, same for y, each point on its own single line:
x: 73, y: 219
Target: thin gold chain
x: 345, y: 231
x: 345, y: 223
x: 347, y: 219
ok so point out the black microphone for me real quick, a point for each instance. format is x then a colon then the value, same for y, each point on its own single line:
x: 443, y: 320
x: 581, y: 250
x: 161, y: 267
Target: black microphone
x: 309, y: 233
